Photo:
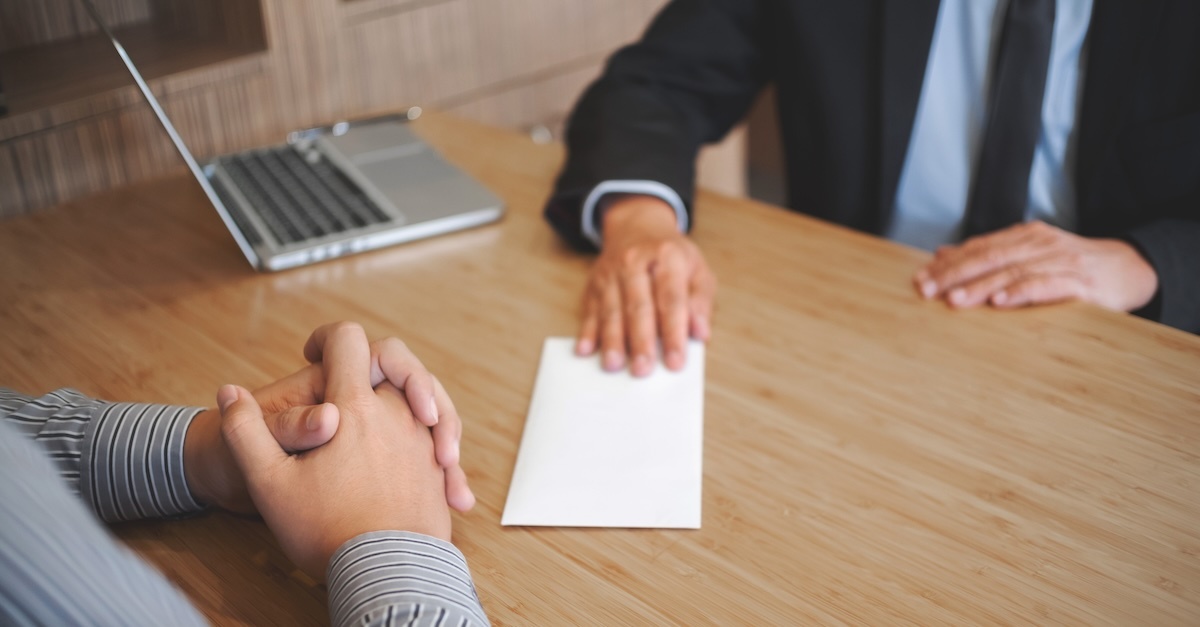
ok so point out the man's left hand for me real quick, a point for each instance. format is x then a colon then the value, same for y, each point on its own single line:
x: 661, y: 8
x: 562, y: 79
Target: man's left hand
x: 1035, y: 263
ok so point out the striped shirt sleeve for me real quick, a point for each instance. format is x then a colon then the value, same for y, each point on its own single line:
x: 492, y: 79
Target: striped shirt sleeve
x: 57, y: 565
x: 387, y: 578
x: 124, y: 459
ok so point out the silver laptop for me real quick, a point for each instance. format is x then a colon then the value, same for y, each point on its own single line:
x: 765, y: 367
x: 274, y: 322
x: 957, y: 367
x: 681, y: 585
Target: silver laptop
x: 331, y: 191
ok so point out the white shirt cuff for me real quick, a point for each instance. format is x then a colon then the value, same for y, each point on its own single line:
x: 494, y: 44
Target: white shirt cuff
x: 648, y: 188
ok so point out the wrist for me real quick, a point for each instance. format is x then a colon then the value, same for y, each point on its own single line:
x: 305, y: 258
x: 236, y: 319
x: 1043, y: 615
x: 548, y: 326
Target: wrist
x: 200, y: 449
x: 623, y: 214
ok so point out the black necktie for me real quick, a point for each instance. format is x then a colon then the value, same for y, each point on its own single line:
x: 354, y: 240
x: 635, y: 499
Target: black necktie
x: 1014, y: 119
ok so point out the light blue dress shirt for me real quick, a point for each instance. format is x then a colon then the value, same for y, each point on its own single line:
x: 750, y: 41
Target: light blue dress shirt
x: 951, y: 119
x: 948, y: 130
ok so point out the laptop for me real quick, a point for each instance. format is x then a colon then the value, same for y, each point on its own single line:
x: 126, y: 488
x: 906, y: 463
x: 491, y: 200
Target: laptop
x: 330, y: 191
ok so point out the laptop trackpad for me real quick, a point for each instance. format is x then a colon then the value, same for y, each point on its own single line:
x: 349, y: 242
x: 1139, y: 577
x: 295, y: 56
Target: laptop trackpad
x: 407, y: 172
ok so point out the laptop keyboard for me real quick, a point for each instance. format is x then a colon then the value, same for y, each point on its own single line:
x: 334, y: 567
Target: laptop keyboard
x: 296, y: 199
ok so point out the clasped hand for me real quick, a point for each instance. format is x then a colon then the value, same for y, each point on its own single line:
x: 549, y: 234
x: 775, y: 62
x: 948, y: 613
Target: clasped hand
x: 377, y: 473
x: 300, y: 415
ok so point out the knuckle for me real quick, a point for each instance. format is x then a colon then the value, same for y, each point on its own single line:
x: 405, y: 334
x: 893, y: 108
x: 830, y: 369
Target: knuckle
x: 1016, y: 272
x: 591, y: 299
x: 233, y: 428
x: 601, y: 274
x: 1040, y: 286
x: 344, y: 327
x: 639, y: 308
x: 993, y: 256
x: 606, y: 309
x: 360, y: 405
x: 631, y: 273
x: 613, y: 338
x: 394, y: 344
x: 667, y: 249
x: 668, y: 278
x: 672, y: 295
x: 1055, y: 236
x: 630, y: 257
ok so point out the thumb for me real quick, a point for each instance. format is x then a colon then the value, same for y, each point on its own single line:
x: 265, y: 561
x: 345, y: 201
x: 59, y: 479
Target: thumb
x: 304, y: 427
x: 245, y: 432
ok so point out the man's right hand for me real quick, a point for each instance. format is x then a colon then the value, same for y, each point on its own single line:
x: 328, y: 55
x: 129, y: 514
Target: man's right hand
x: 377, y: 473
x: 650, y: 281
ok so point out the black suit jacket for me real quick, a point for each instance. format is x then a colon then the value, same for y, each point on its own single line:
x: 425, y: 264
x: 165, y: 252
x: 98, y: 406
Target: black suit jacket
x: 848, y: 76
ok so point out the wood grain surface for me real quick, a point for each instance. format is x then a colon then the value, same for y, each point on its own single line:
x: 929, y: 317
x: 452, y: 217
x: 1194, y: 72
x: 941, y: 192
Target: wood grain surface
x: 870, y: 458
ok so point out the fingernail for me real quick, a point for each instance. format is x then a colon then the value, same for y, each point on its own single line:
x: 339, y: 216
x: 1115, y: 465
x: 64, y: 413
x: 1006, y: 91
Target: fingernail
x: 433, y: 410
x: 457, y: 450
x: 641, y: 365
x: 612, y: 360
x: 313, y: 422
x: 958, y: 296
x: 674, y: 359
x: 999, y: 297
x: 584, y: 347
x: 226, y: 396
x: 928, y: 288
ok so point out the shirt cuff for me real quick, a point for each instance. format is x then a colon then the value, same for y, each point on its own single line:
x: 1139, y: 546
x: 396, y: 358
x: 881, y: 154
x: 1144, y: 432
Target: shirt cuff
x: 133, y: 462
x: 648, y: 188
x: 401, y: 575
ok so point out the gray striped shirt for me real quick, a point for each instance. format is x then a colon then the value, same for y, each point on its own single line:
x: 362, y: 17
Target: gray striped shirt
x: 125, y: 462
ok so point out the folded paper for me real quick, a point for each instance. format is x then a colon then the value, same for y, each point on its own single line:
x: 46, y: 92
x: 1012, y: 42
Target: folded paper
x: 605, y: 449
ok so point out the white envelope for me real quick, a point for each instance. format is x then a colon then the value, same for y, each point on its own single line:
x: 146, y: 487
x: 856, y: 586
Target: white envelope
x: 609, y: 450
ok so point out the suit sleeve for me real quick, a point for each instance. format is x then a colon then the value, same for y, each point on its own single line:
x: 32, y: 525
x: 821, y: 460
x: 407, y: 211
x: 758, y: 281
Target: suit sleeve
x: 693, y: 75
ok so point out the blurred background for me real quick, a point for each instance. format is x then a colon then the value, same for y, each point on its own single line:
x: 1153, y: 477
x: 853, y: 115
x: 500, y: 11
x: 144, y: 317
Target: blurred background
x: 235, y: 74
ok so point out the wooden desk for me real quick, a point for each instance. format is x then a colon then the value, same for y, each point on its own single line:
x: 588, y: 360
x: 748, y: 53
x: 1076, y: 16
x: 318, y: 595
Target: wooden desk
x: 869, y: 458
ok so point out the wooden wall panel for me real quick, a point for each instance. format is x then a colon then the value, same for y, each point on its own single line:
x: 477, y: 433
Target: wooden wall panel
x: 28, y: 22
x: 548, y: 102
x: 235, y: 21
x: 537, y: 101
x: 126, y: 144
x: 514, y: 63
x: 11, y: 194
x: 722, y: 167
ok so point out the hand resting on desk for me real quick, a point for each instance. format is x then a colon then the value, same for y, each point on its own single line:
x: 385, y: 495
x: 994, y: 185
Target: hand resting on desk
x: 377, y: 473
x: 296, y: 414
x: 1035, y: 263
x: 650, y: 280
